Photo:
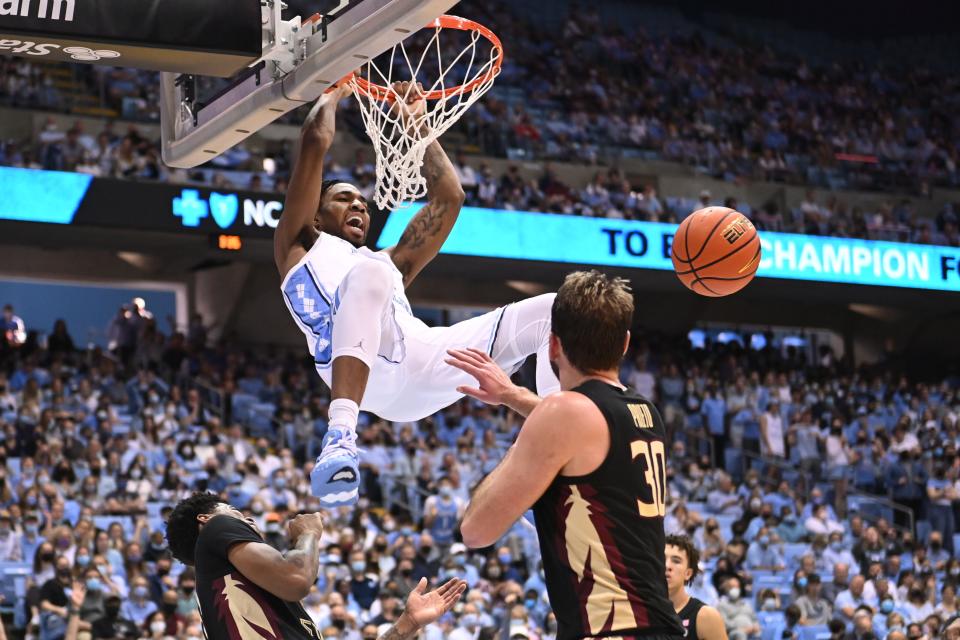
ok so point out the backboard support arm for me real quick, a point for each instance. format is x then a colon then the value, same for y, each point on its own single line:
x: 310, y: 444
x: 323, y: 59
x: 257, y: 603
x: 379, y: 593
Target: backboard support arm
x: 300, y: 62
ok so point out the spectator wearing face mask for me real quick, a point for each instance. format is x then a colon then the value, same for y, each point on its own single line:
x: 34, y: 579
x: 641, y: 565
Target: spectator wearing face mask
x: 171, y: 616
x: 469, y: 624
x: 273, y: 533
x: 138, y: 607
x: 156, y: 627
x: 510, y: 565
x: 737, y: 612
x: 113, y: 624
x: 31, y: 539
x: 836, y: 552
x: 364, y: 585
x: 814, y: 608
x: 764, y: 554
x: 93, y: 606
x: 265, y: 461
x: 277, y: 495
x: 466, y: 571
x: 769, y: 601
x: 790, y: 529
x: 54, y: 604
x: 442, y: 513
x: 11, y: 549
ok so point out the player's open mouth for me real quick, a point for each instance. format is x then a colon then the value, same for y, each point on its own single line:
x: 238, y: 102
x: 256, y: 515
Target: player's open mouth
x: 355, y: 222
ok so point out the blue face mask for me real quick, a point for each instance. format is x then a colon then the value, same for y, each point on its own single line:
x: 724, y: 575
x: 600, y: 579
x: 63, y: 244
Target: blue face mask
x: 460, y: 559
x: 886, y: 606
x: 358, y: 566
x: 280, y: 483
x: 83, y: 561
x: 94, y: 584
x: 505, y: 558
x: 802, y: 582
x: 764, y: 541
x: 836, y: 545
x: 141, y: 592
x: 529, y: 604
x: 407, y: 531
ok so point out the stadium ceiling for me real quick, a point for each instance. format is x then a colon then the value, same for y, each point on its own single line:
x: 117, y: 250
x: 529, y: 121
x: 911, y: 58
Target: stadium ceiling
x: 856, y: 18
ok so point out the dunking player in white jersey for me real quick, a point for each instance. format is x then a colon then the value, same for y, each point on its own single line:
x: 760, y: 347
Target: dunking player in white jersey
x: 350, y: 303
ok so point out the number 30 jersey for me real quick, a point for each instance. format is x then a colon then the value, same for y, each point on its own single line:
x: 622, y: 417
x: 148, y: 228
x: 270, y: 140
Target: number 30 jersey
x: 601, y: 535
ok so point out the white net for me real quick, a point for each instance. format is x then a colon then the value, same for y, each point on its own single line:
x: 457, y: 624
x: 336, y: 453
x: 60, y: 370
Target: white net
x: 400, y: 140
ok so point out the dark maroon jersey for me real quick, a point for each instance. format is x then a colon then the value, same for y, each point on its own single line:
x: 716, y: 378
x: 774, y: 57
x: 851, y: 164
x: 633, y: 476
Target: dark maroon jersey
x: 601, y: 535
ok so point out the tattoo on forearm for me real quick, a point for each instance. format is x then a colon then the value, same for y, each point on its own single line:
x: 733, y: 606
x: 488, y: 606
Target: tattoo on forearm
x: 430, y: 219
x: 429, y: 223
x: 424, y: 225
x: 394, y: 634
x: 305, y: 555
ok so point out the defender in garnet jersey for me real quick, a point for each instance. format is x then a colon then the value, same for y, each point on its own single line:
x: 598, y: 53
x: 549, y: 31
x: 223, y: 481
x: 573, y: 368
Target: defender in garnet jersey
x: 591, y: 461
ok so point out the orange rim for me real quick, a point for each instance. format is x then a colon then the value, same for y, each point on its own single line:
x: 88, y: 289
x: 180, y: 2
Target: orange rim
x: 380, y: 92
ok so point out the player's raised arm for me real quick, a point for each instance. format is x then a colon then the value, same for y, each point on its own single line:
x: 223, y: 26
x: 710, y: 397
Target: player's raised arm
x: 548, y: 440
x: 288, y: 576
x: 429, y: 229
x: 296, y: 229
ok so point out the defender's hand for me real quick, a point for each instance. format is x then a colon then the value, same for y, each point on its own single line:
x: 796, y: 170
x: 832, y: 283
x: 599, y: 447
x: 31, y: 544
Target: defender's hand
x: 424, y: 608
x: 494, y: 387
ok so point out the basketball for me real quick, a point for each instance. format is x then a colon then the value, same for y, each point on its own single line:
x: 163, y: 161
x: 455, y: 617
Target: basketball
x: 716, y: 251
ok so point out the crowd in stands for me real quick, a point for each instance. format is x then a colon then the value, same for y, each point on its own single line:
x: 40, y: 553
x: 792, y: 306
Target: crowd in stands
x: 597, y: 89
x: 129, y: 154
x: 772, y: 452
x: 734, y: 109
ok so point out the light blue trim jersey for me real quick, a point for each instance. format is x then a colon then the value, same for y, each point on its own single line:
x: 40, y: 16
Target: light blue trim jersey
x: 311, y: 291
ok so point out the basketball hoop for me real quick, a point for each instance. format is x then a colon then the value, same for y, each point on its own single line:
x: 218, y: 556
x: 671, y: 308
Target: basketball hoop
x: 400, y: 146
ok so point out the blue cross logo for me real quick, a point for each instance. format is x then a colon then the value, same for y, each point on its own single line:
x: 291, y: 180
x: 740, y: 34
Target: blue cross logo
x: 190, y: 208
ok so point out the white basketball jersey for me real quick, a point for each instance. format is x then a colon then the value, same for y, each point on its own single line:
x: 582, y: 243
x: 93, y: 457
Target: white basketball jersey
x: 311, y: 292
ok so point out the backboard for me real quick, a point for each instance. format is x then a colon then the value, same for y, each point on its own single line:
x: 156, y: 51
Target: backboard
x: 301, y: 59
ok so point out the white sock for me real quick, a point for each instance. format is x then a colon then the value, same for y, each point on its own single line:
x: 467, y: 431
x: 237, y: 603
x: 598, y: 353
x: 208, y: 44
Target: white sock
x: 344, y: 414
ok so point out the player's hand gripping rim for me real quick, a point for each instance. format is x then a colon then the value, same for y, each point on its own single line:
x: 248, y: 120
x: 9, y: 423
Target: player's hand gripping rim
x: 493, y: 383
